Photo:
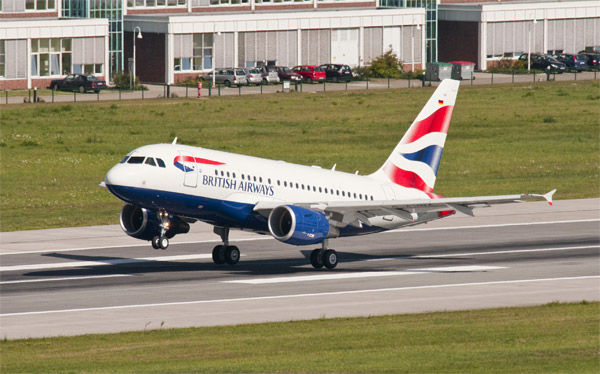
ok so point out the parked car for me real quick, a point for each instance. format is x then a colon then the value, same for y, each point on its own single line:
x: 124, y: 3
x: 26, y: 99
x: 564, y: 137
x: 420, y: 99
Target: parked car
x: 227, y: 76
x: 592, y: 59
x: 573, y: 62
x: 254, y: 76
x: 79, y: 82
x: 337, y: 72
x: 310, y: 73
x: 545, y: 62
x: 286, y: 74
x: 269, y: 74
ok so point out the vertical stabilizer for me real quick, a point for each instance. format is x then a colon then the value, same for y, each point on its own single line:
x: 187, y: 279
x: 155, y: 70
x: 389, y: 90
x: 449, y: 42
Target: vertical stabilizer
x: 415, y: 160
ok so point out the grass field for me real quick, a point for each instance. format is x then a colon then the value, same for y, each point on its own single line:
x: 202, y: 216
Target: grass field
x: 554, y: 338
x: 503, y: 139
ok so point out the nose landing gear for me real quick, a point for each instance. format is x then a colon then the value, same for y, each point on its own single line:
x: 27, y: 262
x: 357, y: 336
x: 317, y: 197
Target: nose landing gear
x: 161, y: 241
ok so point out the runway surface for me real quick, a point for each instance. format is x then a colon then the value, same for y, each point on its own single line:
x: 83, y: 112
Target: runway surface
x: 97, y: 280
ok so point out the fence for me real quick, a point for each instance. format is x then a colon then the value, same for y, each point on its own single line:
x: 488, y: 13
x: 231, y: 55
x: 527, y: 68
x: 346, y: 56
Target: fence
x: 164, y: 91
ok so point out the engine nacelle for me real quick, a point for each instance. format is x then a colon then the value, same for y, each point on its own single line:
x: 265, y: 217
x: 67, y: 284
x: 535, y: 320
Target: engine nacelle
x: 298, y: 226
x: 144, y: 224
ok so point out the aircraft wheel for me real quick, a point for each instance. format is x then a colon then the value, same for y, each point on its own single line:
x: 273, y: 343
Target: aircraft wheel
x: 163, y: 242
x: 155, y: 242
x: 218, y: 255
x: 316, y: 259
x: 330, y: 259
x: 232, y: 255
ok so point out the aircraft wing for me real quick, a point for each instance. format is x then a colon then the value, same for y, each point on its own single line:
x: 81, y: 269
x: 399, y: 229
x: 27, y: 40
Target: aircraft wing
x: 355, y: 213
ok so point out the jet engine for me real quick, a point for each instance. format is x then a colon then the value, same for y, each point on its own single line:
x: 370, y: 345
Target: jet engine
x: 299, y: 226
x: 144, y: 224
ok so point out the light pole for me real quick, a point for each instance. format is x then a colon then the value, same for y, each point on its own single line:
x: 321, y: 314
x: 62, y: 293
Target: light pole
x: 412, y: 49
x: 529, y: 43
x: 139, y: 36
x: 215, y: 33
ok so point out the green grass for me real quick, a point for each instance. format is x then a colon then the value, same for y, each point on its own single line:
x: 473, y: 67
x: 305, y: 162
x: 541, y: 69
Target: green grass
x: 503, y: 140
x: 554, y: 338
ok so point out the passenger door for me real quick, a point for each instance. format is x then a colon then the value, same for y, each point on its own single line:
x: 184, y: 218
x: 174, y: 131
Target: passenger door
x: 190, y: 174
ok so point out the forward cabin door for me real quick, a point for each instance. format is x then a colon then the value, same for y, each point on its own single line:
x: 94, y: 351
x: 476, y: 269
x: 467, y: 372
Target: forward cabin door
x: 190, y: 175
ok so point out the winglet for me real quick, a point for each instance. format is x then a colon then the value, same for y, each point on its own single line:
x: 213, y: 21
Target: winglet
x: 548, y: 196
x: 174, y: 141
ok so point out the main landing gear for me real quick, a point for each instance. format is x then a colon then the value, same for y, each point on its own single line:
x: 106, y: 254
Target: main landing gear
x: 161, y: 241
x: 324, y: 257
x: 225, y: 253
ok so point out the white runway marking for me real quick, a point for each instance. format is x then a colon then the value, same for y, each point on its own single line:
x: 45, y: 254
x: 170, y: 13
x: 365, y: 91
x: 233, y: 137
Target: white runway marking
x: 65, y: 279
x: 120, y: 261
x: 271, y: 238
x: 365, y: 274
x: 294, y: 296
x: 486, y: 253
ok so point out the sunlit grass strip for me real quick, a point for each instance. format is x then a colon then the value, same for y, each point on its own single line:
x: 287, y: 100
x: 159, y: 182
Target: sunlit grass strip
x: 554, y: 338
x: 504, y: 139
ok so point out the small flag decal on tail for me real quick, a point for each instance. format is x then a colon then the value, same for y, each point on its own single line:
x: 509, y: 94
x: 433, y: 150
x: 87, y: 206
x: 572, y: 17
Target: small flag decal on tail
x: 441, y: 102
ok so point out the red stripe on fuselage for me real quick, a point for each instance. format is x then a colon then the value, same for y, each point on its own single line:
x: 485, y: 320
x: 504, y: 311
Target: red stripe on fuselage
x: 197, y: 160
x: 439, y: 121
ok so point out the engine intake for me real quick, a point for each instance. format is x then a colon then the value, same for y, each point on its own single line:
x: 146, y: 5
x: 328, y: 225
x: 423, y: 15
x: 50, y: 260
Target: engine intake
x: 142, y: 223
x: 299, y: 226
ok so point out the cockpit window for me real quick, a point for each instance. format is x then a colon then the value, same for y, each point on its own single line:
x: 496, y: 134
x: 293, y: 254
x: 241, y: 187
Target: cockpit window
x: 160, y: 162
x: 124, y: 160
x: 136, y: 160
x: 150, y: 161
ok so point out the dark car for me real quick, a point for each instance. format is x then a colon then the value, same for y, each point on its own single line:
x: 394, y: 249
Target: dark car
x: 337, y: 72
x: 592, y: 59
x: 573, y: 62
x: 79, y: 82
x: 544, y: 62
x: 286, y: 74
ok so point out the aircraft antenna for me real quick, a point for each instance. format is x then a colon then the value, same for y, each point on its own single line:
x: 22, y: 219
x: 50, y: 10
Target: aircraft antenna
x: 174, y: 141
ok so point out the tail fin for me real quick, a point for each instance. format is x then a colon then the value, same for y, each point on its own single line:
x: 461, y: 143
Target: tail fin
x: 415, y: 160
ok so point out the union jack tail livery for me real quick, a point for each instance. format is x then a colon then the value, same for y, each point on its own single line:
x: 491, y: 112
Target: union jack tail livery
x: 415, y: 160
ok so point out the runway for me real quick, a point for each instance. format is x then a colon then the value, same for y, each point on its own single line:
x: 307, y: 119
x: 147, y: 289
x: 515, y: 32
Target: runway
x: 97, y: 280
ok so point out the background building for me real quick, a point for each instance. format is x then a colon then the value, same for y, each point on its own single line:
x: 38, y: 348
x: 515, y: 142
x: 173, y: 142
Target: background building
x: 485, y: 32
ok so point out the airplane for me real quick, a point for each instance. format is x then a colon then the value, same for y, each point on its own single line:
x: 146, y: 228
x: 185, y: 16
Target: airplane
x: 166, y: 187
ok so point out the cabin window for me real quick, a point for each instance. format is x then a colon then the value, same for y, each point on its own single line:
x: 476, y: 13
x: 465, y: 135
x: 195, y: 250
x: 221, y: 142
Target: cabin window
x: 278, y: 182
x: 233, y: 175
x: 269, y: 180
x: 321, y: 190
x: 343, y: 194
x: 254, y: 178
x: 150, y: 161
x: 284, y: 184
x: 260, y: 179
x: 160, y: 162
x: 314, y: 189
x: 136, y: 160
x: 360, y: 196
x: 216, y: 172
x: 227, y: 174
x: 242, y: 176
x: 338, y: 192
x: 297, y: 186
x: 302, y: 186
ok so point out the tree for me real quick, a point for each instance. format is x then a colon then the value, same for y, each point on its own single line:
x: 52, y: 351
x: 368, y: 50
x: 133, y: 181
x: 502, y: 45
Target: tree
x: 387, y: 65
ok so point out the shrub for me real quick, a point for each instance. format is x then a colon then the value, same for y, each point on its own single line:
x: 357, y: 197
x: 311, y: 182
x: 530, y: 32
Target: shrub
x: 386, y: 65
x: 122, y: 80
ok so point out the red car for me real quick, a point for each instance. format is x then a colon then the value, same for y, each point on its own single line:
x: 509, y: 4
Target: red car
x: 310, y: 73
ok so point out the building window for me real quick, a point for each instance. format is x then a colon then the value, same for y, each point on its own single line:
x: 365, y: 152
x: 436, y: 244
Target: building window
x: 203, y: 44
x: 40, y: 4
x: 155, y: 3
x: 2, y: 58
x: 230, y: 2
x: 50, y: 57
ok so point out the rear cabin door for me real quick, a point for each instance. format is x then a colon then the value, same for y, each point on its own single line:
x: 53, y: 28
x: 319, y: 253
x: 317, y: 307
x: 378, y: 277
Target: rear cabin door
x: 190, y: 175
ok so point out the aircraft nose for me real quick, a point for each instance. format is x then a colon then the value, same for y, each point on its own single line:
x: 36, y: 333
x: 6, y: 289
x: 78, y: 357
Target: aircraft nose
x: 117, y: 176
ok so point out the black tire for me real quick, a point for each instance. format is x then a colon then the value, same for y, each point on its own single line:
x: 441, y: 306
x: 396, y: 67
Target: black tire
x: 54, y: 87
x: 330, y: 259
x: 232, y: 255
x: 265, y: 81
x: 155, y: 242
x: 218, y: 254
x: 163, y: 242
x: 316, y: 258
x: 227, y: 83
x: 309, y: 80
x: 81, y: 89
